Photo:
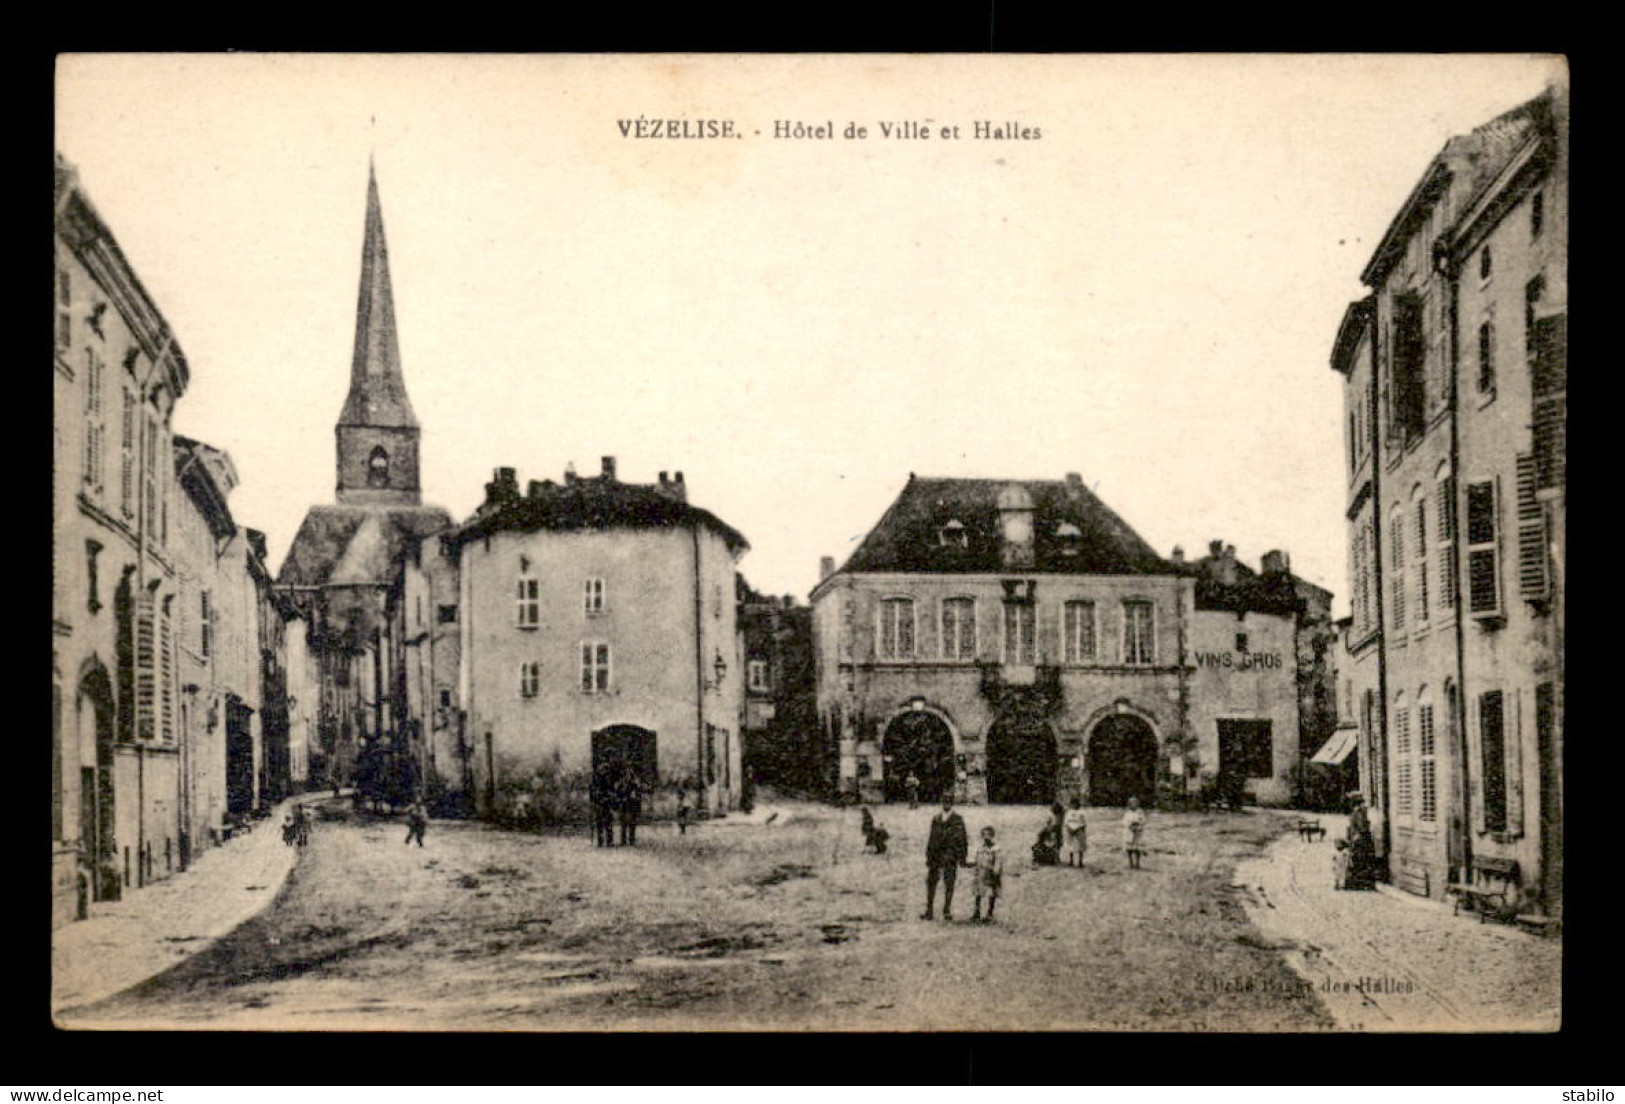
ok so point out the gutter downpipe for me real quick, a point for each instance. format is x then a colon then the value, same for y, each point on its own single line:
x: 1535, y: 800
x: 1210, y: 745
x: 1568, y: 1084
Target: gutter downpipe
x: 1450, y: 270
x: 1377, y: 558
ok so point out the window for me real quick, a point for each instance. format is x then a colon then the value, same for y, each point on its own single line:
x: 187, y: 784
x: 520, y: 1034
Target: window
x: 448, y: 615
x: 1537, y: 214
x: 127, y: 454
x: 1427, y: 766
x: 1139, y: 642
x: 953, y: 535
x: 959, y: 628
x: 146, y: 667
x: 1485, y: 263
x: 206, y: 624
x: 1078, y: 626
x: 1020, y: 647
x: 528, y: 613
x: 1396, y: 535
x: 149, y: 468
x: 94, y: 428
x: 1483, y: 550
x: 1531, y: 533
x: 530, y: 678
x: 445, y: 698
x: 64, y: 299
x: 1241, y: 642
x: 1445, y: 507
x: 897, y: 628
x: 1492, y: 751
x: 1486, y: 358
x: 756, y: 676
x: 1409, y: 367
x: 593, y: 596
x: 1071, y: 538
x: 1420, y: 516
x: 378, y: 467
x: 1403, y: 778
x: 594, y: 668
x: 1533, y: 292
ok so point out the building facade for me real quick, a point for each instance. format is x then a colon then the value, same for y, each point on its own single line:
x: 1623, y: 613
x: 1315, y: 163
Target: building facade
x: 424, y: 651
x: 1016, y: 641
x: 782, y: 747
x: 598, y: 629
x: 116, y: 758
x: 1454, y: 379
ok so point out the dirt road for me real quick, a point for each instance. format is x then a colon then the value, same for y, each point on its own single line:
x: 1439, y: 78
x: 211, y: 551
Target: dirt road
x: 780, y: 926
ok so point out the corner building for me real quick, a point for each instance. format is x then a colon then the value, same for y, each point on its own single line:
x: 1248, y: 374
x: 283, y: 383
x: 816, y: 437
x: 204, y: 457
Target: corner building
x: 1454, y: 374
x: 598, y: 628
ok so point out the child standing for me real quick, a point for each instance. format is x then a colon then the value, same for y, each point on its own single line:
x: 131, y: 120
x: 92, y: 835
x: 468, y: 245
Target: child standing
x: 989, y: 875
x: 1077, y: 834
x: 1133, y: 833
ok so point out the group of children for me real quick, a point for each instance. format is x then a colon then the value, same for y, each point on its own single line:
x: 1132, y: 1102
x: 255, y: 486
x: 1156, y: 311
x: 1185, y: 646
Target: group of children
x: 989, y: 860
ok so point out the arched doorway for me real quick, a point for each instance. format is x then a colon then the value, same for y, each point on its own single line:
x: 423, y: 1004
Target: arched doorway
x: 618, y: 746
x: 920, y: 744
x: 1122, y: 761
x: 1021, y: 763
x: 99, y: 847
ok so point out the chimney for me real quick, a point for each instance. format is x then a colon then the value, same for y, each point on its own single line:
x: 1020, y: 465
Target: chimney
x: 1225, y: 569
x: 503, y: 488
x: 1276, y: 563
x: 535, y: 488
x: 1074, y: 481
x: 608, y: 468
x: 1178, y: 555
x: 1215, y: 549
x: 1016, y: 526
x: 826, y: 567
x: 570, y: 474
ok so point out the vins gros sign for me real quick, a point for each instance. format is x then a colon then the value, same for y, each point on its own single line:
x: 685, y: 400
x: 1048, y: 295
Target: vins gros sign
x: 1242, y: 661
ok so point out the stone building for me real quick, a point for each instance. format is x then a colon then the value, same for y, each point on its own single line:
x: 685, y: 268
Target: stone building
x: 115, y: 718
x: 1454, y: 380
x: 782, y: 745
x: 424, y: 646
x: 221, y: 666
x: 598, y: 623
x: 339, y: 570
x: 1016, y: 641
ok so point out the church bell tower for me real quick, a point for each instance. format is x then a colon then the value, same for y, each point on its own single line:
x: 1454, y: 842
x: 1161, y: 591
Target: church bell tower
x: 377, y: 431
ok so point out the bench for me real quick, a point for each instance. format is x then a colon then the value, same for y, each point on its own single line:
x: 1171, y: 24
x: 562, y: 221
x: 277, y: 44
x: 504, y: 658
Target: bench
x: 1493, y: 882
x: 1309, y: 827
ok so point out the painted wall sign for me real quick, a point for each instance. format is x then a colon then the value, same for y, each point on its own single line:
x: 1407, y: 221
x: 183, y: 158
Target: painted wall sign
x: 1245, y: 661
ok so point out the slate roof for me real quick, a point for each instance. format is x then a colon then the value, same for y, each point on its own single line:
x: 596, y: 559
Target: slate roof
x: 907, y: 537
x: 351, y: 544
x: 594, y: 503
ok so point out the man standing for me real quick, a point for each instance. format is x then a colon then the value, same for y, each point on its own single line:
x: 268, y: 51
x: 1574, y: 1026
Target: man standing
x: 945, y: 852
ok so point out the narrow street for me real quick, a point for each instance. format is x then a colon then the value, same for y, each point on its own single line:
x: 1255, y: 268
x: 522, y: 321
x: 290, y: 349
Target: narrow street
x: 741, y: 924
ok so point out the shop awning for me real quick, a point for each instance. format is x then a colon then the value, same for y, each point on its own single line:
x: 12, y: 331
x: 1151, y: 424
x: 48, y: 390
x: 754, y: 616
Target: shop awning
x: 1338, y: 748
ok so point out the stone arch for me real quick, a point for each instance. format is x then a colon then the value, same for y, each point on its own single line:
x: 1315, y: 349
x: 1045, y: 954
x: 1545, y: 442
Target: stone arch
x: 1023, y: 762
x: 919, y: 739
x: 95, y: 716
x: 1121, y: 757
x: 378, y: 467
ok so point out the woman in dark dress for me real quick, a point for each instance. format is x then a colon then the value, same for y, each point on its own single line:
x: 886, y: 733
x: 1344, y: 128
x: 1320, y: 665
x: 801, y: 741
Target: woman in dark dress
x: 1360, y: 848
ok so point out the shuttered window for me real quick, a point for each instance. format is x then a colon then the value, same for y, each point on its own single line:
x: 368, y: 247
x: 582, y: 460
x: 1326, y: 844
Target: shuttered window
x: 1483, y: 566
x: 1445, y: 509
x: 145, y: 668
x: 1396, y: 574
x: 1427, y: 765
x: 1492, y: 755
x: 1532, y: 574
x: 1420, y: 514
x: 1404, y: 793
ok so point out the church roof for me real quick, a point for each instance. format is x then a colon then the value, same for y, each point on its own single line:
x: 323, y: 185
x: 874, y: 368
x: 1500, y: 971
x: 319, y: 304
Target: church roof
x: 909, y: 537
x: 346, y: 545
x: 594, y: 503
x: 377, y: 391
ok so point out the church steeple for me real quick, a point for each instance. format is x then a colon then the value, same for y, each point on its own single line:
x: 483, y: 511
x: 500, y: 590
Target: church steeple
x: 377, y: 431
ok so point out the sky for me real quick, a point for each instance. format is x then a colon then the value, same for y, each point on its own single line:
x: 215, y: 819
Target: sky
x: 1145, y: 293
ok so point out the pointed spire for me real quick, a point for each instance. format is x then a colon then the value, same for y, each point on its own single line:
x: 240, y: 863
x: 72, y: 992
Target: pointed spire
x: 377, y: 391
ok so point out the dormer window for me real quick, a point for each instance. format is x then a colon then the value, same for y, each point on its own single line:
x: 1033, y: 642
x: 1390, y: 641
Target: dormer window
x: 1071, y: 538
x: 953, y: 535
